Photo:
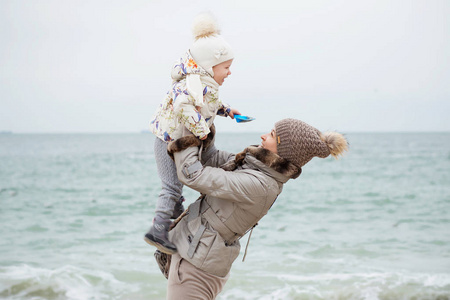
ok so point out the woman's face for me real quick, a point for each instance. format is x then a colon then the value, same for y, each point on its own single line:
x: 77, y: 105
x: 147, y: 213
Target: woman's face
x: 269, y: 141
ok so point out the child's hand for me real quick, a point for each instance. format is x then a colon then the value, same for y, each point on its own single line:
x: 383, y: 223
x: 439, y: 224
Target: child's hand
x: 233, y: 112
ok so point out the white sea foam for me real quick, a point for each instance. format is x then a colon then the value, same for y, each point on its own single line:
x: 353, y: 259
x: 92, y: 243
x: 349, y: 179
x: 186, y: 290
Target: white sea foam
x: 430, y: 280
x: 357, y: 286
x: 67, y: 282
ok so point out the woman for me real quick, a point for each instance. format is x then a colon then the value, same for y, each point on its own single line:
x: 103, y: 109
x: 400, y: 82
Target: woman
x: 237, y: 190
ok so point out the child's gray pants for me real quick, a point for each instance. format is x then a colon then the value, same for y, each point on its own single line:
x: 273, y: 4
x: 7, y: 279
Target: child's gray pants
x: 172, y: 188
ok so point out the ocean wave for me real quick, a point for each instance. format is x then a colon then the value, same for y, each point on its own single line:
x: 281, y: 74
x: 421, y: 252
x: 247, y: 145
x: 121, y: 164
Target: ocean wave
x: 369, y: 286
x: 352, y: 286
x: 67, y: 282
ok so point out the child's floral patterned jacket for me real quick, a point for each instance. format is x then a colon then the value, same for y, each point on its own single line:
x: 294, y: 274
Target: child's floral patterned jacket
x: 178, y: 109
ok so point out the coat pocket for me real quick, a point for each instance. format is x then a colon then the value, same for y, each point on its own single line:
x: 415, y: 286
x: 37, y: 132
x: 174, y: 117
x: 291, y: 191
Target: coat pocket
x: 220, y: 257
x: 200, y: 240
x: 210, y: 254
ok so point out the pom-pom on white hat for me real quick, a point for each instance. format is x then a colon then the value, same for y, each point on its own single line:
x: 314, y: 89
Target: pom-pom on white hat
x: 209, y: 48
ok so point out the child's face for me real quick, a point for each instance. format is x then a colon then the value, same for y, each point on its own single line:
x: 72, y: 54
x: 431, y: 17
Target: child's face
x: 221, y: 71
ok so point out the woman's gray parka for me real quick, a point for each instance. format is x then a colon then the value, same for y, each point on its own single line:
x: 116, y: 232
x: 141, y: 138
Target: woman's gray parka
x: 234, y: 200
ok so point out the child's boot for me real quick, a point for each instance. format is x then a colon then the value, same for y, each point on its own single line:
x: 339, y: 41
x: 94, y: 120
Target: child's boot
x: 158, y: 236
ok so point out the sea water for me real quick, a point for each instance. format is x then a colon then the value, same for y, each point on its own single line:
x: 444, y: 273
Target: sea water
x: 373, y: 225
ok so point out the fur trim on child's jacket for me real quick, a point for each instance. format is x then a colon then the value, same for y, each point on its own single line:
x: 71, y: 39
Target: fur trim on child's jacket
x: 191, y: 141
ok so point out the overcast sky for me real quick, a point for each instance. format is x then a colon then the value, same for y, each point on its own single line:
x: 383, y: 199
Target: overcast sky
x: 104, y: 66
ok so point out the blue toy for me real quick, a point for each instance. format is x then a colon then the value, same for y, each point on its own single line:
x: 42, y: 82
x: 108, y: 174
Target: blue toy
x: 243, y: 119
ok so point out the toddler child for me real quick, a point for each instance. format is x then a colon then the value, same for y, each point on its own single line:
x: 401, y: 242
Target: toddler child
x: 192, y: 102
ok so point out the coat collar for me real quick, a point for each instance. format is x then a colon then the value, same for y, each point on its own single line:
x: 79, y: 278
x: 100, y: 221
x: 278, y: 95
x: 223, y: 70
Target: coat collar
x: 264, y: 159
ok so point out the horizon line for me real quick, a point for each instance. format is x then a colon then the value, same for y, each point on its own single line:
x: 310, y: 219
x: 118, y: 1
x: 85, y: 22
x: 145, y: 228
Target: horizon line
x: 8, y: 132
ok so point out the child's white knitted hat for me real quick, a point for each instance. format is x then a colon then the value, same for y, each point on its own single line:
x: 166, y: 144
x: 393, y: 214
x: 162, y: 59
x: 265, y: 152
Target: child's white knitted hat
x: 209, y: 48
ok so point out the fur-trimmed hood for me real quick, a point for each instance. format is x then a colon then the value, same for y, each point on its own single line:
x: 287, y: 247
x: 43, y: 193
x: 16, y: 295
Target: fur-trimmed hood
x: 266, y: 157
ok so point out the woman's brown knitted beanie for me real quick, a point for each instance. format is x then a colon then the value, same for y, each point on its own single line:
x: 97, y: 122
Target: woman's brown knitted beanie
x: 299, y: 142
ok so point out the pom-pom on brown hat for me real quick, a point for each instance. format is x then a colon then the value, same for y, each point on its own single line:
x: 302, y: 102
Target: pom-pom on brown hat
x: 299, y: 142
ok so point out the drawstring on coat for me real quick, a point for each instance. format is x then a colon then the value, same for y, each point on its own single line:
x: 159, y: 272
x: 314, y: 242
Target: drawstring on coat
x: 248, y: 241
